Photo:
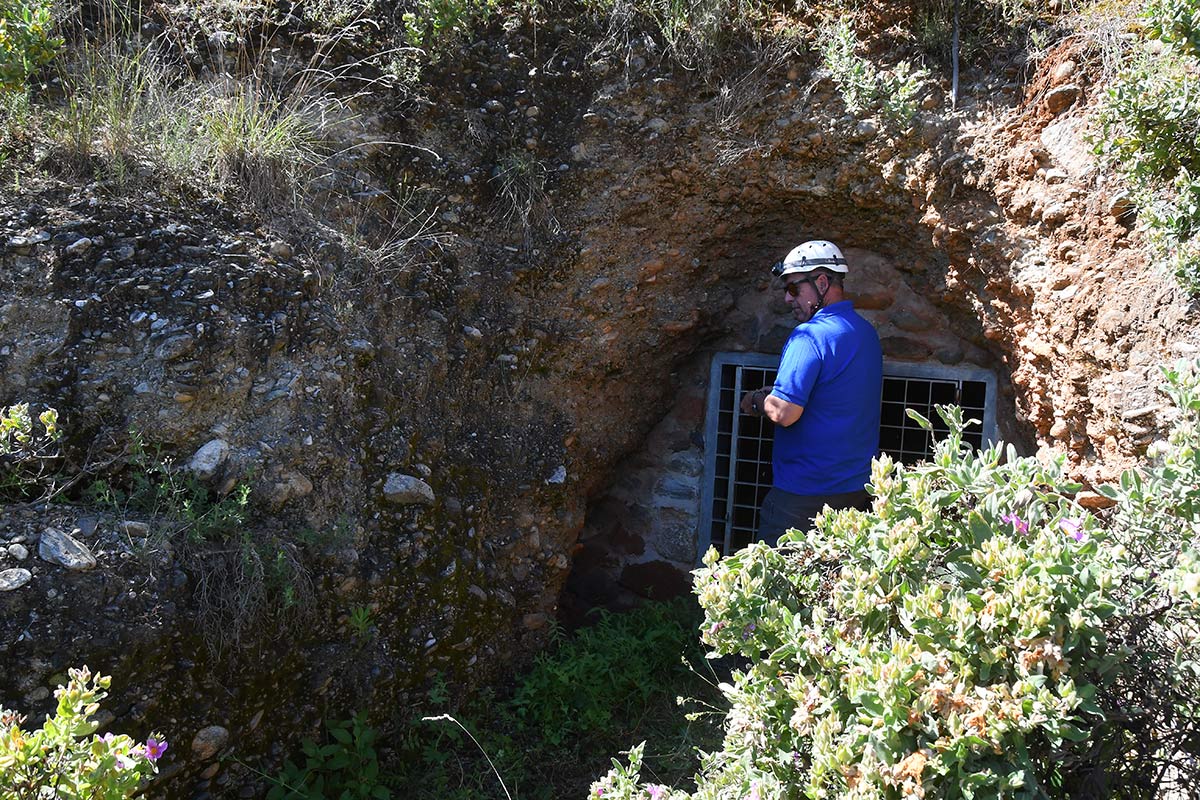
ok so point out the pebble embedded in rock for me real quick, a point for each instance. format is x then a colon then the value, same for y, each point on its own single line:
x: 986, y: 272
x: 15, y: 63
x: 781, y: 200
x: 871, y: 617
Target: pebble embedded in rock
x: 208, y: 459
x: 11, y: 579
x: 57, y: 547
x: 407, y: 489
x: 1061, y: 98
x: 78, y: 247
x: 209, y: 741
x: 1120, y: 205
x: 174, y: 348
x: 18, y: 551
x: 281, y: 250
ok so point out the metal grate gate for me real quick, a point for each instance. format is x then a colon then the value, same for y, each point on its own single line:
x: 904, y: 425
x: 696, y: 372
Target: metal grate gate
x: 738, y: 447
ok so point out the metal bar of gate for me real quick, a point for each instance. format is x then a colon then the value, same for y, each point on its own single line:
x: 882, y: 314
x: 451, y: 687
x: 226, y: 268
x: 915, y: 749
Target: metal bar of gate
x: 733, y: 458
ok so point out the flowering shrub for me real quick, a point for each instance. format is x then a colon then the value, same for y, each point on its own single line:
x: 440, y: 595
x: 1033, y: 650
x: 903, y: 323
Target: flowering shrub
x: 975, y: 634
x: 26, y: 41
x: 26, y: 449
x: 64, y: 759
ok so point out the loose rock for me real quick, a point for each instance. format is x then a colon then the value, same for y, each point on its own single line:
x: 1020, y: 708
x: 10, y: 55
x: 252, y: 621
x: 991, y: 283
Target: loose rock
x: 59, y: 548
x: 208, y: 459
x: 209, y: 741
x: 406, y: 490
x: 11, y: 579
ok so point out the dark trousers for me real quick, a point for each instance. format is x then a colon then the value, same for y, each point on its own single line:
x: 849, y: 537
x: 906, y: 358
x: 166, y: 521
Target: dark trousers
x: 783, y: 510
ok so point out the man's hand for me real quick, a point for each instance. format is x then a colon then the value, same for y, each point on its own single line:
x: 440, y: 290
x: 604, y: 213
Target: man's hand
x: 752, y: 402
x: 762, y: 403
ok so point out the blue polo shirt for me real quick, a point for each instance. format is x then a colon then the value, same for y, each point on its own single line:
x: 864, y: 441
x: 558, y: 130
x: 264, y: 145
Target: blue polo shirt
x: 833, y: 366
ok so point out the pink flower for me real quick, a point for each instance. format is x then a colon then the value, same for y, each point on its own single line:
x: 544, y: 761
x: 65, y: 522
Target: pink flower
x: 1019, y: 525
x: 155, y: 748
x: 1073, y: 528
x: 656, y: 792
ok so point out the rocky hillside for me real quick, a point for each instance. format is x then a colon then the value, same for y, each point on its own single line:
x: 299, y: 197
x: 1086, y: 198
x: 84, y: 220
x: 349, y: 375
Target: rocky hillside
x: 430, y: 409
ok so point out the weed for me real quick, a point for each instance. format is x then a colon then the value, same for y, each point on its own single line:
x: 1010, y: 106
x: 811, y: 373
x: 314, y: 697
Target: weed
x: 345, y: 767
x: 153, y: 486
x: 521, y: 189
x: 434, y: 24
x: 738, y: 99
x: 112, y: 110
x: 693, y: 32
x: 448, y: 718
x: 531, y: 737
x: 360, y: 621
x: 863, y: 86
x: 29, y: 449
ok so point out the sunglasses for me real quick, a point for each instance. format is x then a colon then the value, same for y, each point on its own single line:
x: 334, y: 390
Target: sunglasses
x: 793, y: 288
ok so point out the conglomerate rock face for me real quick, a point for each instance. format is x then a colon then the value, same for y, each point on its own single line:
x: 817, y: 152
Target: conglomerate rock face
x: 431, y: 451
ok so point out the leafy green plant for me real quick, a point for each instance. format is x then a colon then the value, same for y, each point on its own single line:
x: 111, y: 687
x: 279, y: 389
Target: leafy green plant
x: 27, y: 41
x: 1175, y: 22
x: 154, y: 486
x: 432, y: 24
x: 1149, y: 131
x: 524, y: 739
x: 63, y: 759
x: 28, y: 448
x: 360, y: 621
x: 863, y: 86
x: 346, y: 767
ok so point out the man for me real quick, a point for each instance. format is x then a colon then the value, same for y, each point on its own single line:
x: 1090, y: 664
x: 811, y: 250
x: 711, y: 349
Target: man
x: 825, y: 401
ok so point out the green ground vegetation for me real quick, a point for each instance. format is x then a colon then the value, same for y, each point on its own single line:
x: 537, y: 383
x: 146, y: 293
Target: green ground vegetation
x: 548, y: 735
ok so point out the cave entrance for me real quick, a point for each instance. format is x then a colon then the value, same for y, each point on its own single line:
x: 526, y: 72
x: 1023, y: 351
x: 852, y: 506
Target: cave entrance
x: 737, y: 466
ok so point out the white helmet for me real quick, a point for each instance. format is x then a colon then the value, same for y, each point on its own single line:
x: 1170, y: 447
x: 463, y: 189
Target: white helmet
x: 810, y: 256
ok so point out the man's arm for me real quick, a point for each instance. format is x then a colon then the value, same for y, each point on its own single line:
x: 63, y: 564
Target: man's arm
x: 780, y: 411
x: 763, y: 404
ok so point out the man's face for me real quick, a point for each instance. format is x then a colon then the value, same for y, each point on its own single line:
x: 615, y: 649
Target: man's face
x: 801, y: 296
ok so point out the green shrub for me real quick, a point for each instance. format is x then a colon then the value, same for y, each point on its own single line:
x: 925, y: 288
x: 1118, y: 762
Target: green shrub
x: 60, y: 760
x: 1149, y: 130
x: 28, y: 449
x: 26, y: 40
x: 434, y: 24
x: 976, y: 634
x: 863, y: 86
x: 1175, y: 22
x: 346, y: 767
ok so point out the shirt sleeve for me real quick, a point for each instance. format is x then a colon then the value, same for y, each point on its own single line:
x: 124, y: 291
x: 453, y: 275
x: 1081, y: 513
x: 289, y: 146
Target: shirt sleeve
x: 799, y: 367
